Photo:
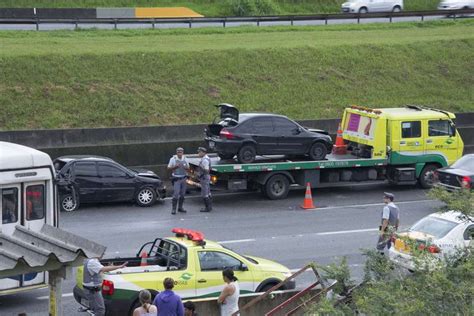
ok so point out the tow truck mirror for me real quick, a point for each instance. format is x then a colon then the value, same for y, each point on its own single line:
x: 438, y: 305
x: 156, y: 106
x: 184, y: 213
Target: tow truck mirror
x: 452, y: 129
x: 243, y: 267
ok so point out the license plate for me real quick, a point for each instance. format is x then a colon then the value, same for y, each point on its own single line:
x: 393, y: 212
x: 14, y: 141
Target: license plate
x: 212, y: 144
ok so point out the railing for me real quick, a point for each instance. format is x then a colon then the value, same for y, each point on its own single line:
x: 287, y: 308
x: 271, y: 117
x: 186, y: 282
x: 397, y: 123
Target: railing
x: 290, y: 19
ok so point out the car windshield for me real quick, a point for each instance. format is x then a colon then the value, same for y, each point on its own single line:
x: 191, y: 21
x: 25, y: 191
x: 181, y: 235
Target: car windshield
x: 465, y: 163
x: 434, y: 226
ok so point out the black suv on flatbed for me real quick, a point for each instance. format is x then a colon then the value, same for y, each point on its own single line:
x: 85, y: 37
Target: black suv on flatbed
x: 93, y: 179
x: 249, y: 134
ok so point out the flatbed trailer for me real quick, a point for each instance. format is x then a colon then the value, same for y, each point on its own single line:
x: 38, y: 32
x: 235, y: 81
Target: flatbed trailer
x: 273, y: 175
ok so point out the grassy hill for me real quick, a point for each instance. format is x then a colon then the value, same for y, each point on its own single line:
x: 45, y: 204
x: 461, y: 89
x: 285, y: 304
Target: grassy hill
x: 213, y: 7
x: 123, y: 78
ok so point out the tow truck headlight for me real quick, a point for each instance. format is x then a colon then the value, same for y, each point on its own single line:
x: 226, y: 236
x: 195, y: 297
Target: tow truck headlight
x: 213, y: 179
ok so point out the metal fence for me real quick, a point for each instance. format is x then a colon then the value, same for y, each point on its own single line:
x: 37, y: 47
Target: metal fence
x: 257, y: 20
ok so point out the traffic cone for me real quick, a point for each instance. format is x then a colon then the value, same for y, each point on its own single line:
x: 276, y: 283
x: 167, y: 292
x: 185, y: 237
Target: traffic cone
x: 339, y: 147
x: 144, y: 257
x: 308, y: 198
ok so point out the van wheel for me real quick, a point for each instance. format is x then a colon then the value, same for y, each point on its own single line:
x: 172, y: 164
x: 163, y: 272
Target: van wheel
x: 277, y: 187
x: 363, y: 10
x: 396, y: 9
x: 426, y: 178
x: 145, y: 197
x: 246, y: 154
x: 318, y: 151
x: 69, y: 203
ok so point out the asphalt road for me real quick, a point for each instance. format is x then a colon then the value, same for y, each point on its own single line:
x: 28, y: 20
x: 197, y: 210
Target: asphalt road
x: 64, y: 26
x: 345, y: 222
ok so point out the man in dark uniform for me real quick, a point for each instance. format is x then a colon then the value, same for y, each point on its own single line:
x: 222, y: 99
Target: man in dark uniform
x: 179, y: 166
x: 204, y: 177
x: 389, y: 224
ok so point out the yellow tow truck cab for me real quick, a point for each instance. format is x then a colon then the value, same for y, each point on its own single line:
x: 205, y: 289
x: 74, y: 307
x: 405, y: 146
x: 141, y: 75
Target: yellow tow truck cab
x: 195, y: 264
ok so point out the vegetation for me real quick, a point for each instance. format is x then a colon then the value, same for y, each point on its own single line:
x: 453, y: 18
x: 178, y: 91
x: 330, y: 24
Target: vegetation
x: 124, y: 78
x: 214, y: 7
x: 386, y: 290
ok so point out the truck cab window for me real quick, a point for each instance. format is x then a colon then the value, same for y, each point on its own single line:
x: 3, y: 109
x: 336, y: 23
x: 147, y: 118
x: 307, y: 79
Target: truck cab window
x: 439, y: 128
x: 9, y: 205
x: 35, y: 202
x: 411, y: 129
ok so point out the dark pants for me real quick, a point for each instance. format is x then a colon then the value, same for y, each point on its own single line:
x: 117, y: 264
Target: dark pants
x: 96, y: 302
x: 205, y: 182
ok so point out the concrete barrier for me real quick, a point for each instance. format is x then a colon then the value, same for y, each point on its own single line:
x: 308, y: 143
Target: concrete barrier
x: 18, y: 13
x: 152, y: 146
x: 65, y: 13
x: 116, y: 13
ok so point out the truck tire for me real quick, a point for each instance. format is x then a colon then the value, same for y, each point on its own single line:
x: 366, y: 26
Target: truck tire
x: 246, y: 154
x: 318, y: 151
x: 145, y: 197
x: 69, y: 203
x: 426, y: 179
x: 277, y: 187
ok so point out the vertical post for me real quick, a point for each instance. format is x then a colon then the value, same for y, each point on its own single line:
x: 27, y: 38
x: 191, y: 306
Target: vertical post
x: 190, y: 24
x: 326, y: 21
x: 258, y: 22
x: 223, y: 23
x: 358, y: 20
x: 454, y: 16
x: 422, y: 18
x: 390, y: 18
x: 55, y: 293
x: 37, y: 24
x: 153, y: 24
x: 115, y: 24
x: 76, y: 26
x: 291, y: 21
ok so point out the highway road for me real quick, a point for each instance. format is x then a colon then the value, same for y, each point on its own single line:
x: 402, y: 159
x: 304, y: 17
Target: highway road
x: 61, y: 26
x: 345, y: 221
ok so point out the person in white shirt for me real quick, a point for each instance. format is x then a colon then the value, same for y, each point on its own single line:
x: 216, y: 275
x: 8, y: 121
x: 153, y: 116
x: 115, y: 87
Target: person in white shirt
x: 179, y: 167
x: 389, y: 224
x: 229, y: 298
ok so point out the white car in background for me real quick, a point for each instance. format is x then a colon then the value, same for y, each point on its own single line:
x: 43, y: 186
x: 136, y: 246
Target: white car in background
x: 364, y: 6
x: 456, y: 4
x: 441, y: 234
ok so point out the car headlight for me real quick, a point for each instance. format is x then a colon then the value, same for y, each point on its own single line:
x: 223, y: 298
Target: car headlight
x: 287, y: 274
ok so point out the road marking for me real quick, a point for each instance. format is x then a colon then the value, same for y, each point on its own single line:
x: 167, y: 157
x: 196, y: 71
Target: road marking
x: 47, y: 297
x: 235, y: 241
x: 371, y: 204
x: 348, y: 231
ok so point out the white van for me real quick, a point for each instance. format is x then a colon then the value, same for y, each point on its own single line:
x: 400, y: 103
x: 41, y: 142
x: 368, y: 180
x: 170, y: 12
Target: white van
x: 28, y: 194
x: 365, y: 6
x: 456, y: 4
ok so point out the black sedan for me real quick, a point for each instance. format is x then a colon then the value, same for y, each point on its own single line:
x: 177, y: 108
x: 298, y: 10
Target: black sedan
x: 249, y: 134
x: 459, y: 175
x: 93, y: 179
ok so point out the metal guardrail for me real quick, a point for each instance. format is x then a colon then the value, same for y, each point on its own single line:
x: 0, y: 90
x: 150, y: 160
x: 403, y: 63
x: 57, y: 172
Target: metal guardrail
x: 253, y: 19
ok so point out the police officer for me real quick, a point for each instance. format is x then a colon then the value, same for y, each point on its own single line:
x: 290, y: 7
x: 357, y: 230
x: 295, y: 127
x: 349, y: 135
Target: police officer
x: 204, y: 177
x: 179, y: 165
x: 389, y: 224
x: 92, y: 282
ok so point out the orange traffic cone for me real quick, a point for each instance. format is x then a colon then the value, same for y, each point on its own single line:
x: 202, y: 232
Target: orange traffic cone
x: 144, y: 257
x: 308, y: 199
x: 339, y: 147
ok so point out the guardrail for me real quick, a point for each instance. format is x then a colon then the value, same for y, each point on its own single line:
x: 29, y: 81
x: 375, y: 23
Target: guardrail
x: 454, y: 14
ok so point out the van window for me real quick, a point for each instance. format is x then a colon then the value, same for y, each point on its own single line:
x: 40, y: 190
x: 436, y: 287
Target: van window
x: 9, y: 205
x: 411, y: 129
x: 439, y: 128
x: 35, y: 202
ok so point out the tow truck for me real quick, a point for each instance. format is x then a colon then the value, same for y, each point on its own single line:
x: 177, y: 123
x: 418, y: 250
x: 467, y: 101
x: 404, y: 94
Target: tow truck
x: 194, y: 263
x: 403, y: 146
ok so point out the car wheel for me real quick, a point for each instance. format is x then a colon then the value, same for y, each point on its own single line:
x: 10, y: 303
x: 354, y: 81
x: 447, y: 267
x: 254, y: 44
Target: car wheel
x: 426, y: 178
x: 145, y: 197
x: 363, y: 10
x: 69, y: 203
x: 277, y: 187
x: 396, y: 9
x: 266, y: 287
x: 246, y: 154
x: 226, y: 156
x: 318, y: 151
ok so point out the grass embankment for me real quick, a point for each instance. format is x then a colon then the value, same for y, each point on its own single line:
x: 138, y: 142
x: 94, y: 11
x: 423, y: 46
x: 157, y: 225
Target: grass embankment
x: 106, y: 78
x: 212, y: 7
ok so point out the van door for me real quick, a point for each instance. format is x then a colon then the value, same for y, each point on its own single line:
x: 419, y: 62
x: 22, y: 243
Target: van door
x: 10, y: 206
x: 442, y: 140
x: 411, y: 142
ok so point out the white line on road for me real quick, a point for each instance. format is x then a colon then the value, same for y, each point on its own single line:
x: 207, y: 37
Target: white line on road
x: 371, y: 204
x: 47, y: 297
x: 348, y: 231
x: 235, y: 241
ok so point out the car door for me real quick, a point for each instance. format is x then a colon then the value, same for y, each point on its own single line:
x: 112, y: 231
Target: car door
x: 209, y: 281
x: 261, y: 129
x: 441, y: 139
x: 290, y: 140
x: 411, y: 142
x: 87, y: 180
x: 376, y: 5
x: 117, y: 184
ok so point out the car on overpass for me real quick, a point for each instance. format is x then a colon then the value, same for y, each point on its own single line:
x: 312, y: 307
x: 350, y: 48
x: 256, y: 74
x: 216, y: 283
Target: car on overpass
x: 95, y: 179
x: 460, y: 175
x: 366, y: 6
x: 194, y: 263
x: 456, y: 4
x: 436, y: 238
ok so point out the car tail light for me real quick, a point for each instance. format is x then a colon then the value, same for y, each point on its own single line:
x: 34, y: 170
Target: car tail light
x: 108, y: 287
x: 466, y: 182
x: 434, y: 249
x: 226, y: 134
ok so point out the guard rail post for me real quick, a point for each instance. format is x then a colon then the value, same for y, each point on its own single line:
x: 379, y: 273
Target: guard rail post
x: 291, y: 21
x: 76, y: 24
x: 115, y: 24
x: 223, y: 22
x: 325, y: 20
x: 258, y: 22
x: 153, y: 24
x: 37, y: 24
x: 422, y: 18
x: 390, y: 18
x: 190, y: 23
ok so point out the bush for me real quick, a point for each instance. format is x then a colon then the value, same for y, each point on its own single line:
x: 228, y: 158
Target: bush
x: 253, y: 7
